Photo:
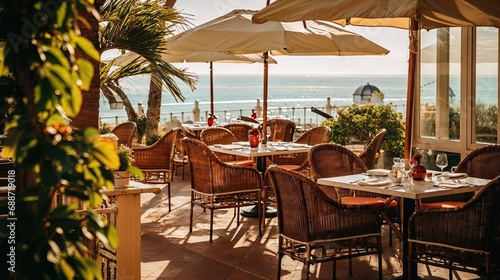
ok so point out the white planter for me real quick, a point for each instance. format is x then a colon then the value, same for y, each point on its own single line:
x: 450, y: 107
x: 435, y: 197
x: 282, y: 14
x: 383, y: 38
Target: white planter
x: 122, y: 179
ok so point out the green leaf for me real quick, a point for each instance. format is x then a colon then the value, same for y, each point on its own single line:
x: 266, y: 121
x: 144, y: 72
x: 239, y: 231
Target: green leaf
x: 112, y: 235
x: 136, y: 171
x: 86, y: 71
x: 67, y: 269
x: 61, y: 14
x: 105, y: 152
x: 88, y: 48
x: 59, y: 56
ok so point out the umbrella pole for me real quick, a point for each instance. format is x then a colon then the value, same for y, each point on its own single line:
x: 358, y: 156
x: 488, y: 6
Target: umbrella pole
x: 211, y: 89
x: 411, y: 87
x: 264, y: 102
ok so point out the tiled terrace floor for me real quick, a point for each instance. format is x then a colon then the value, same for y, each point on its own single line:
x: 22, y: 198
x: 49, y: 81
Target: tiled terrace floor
x: 169, y: 251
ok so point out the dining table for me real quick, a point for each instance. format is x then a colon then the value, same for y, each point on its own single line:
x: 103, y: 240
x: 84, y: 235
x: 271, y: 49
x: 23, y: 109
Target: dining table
x: 260, y: 155
x: 410, y: 192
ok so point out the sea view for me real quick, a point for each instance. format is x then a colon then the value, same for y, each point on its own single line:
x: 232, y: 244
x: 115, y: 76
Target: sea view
x: 235, y: 92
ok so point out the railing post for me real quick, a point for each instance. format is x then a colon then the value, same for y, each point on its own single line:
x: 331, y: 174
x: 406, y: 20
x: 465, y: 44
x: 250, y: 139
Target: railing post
x: 116, y: 120
x: 196, y: 111
x: 328, y: 108
x: 258, y: 109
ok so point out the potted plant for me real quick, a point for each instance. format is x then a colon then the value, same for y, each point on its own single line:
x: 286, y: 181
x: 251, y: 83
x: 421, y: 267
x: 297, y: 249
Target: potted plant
x: 359, y: 124
x: 122, y: 175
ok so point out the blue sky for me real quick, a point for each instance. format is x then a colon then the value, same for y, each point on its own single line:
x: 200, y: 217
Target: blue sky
x: 395, y: 40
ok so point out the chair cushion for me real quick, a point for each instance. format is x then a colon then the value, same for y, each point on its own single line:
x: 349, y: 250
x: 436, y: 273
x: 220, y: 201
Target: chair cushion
x: 441, y: 204
x: 248, y: 162
x: 362, y: 200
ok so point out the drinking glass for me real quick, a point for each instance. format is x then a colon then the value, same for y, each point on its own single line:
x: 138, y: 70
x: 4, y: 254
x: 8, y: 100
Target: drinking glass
x: 404, y: 165
x: 268, y: 133
x: 441, y: 161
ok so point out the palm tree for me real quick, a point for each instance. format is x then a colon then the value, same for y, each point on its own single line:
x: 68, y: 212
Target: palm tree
x: 141, y: 27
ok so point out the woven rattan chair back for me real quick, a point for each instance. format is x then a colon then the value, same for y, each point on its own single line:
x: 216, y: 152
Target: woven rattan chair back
x: 281, y: 130
x: 216, y: 185
x: 465, y: 238
x: 240, y: 130
x: 308, y: 218
x: 314, y: 136
x: 220, y: 135
x: 483, y: 162
x: 331, y: 160
x: 158, y: 155
x: 125, y: 133
x: 372, y: 149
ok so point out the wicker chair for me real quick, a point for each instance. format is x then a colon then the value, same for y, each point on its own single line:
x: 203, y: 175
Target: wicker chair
x: 483, y: 162
x: 156, y: 160
x: 179, y: 158
x: 313, y: 228
x: 217, y: 185
x: 313, y: 136
x: 125, y: 133
x: 240, y: 130
x: 465, y: 238
x: 331, y: 160
x: 220, y: 135
x: 281, y: 130
x: 369, y: 154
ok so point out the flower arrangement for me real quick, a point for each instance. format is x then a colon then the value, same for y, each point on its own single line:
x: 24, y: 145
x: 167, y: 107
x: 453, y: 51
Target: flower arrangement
x: 125, y: 154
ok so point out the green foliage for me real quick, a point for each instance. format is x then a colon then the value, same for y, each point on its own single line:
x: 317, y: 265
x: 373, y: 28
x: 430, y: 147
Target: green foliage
x: 41, y: 84
x: 104, y: 128
x: 359, y: 124
x: 125, y: 156
x: 141, y: 122
x: 152, y: 140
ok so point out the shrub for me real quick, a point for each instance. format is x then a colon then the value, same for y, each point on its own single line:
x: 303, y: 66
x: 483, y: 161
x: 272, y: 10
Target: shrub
x: 359, y: 124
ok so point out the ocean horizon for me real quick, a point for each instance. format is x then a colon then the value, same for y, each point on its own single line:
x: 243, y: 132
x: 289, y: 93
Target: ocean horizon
x: 234, y: 92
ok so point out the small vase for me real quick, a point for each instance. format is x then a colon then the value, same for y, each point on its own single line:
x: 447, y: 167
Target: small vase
x: 418, y: 172
x: 210, y: 120
x: 122, y: 179
x: 254, y: 138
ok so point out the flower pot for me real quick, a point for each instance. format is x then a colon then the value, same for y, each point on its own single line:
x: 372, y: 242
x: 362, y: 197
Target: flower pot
x: 122, y: 179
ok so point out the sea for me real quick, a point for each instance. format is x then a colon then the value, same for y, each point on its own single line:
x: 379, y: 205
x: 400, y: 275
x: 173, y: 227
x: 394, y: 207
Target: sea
x: 237, y: 94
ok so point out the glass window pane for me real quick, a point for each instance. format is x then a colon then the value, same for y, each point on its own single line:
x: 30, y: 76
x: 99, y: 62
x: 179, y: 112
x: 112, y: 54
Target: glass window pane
x: 486, y: 119
x: 440, y: 83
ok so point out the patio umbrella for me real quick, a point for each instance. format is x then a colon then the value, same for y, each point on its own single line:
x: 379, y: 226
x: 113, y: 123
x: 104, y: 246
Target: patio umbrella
x: 407, y: 14
x: 234, y: 33
x: 207, y: 57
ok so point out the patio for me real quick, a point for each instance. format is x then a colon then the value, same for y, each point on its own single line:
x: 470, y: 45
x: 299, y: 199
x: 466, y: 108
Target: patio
x: 169, y: 251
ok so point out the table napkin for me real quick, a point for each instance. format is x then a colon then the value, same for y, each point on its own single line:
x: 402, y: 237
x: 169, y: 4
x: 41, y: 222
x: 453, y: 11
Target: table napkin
x: 228, y: 147
x: 375, y: 182
x: 452, y: 184
x: 270, y: 148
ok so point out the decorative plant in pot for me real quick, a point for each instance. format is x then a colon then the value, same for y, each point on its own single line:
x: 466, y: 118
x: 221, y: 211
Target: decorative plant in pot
x: 359, y: 124
x: 122, y: 175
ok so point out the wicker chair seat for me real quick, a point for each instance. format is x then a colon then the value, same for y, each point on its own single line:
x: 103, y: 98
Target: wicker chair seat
x: 313, y: 228
x: 465, y: 238
x: 216, y: 185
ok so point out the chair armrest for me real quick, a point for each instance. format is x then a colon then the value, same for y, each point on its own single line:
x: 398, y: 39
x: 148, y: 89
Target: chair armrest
x: 230, y: 178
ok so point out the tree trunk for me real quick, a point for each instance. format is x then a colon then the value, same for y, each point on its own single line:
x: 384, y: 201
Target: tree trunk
x: 154, y: 106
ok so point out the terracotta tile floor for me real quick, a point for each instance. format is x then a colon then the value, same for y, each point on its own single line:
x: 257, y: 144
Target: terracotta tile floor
x: 169, y: 251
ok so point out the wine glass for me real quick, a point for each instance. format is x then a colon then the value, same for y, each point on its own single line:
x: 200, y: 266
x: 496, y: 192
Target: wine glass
x: 228, y: 117
x: 441, y: 161
x: 268, y: 133
x: 405, y: 167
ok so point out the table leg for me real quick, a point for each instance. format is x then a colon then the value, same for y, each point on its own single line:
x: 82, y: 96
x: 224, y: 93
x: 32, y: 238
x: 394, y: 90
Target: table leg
x: 252, y: 212
x: 408, y: 269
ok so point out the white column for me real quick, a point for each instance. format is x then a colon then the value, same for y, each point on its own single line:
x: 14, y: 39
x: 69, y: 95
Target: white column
x: 328, y: 107
x: 258, y: 109
x: 196, y: 111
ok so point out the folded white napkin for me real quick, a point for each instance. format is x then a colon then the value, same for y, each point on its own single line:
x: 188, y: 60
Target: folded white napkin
x: 375, y: 182
x: 277, y: 148
x: 455, y: 175
x: 452, y: 184
x: 228, y: 147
